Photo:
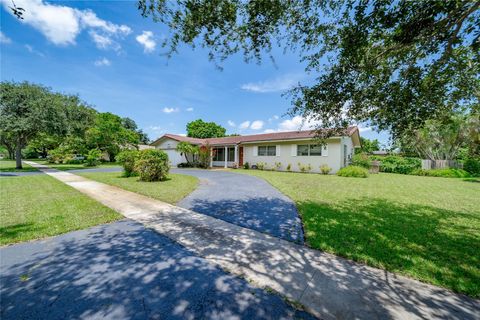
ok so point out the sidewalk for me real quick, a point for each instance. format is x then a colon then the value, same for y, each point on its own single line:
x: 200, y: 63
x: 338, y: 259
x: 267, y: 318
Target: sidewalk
x: 328, y: 286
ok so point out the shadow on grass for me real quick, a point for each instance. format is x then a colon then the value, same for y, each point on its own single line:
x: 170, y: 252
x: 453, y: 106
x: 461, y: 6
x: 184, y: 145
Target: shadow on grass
x: 15, y: 231
x: 434, y: 245
x: 124, y: 271
x: 472, y: 180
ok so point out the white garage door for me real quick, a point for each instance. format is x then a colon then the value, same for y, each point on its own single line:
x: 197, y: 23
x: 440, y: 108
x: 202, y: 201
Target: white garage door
x: 174, y: 157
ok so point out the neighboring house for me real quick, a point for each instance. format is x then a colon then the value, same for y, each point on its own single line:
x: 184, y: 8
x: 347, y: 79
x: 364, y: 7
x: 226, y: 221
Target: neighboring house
x: 270, y: 148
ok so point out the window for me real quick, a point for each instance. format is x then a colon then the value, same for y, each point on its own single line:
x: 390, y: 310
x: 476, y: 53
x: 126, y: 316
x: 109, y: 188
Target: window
x: 309, y: 150
x: 302, y: 150
x: 267, y: 150
x: 218, y: 154
x: 231, y: 154
x: 315, y: 150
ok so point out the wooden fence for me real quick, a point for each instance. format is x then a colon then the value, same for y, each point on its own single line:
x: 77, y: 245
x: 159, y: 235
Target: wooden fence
x: 440, y: 164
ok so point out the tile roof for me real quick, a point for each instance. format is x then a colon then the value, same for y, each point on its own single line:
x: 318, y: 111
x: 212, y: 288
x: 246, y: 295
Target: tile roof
x: 308, y: 134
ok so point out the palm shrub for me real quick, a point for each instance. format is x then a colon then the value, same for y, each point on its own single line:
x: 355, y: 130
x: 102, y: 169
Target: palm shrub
x: 325, y: 169
x: 353, y: 171
x: 93, y: 158
x: 152, y: 165
x: 127, y: 159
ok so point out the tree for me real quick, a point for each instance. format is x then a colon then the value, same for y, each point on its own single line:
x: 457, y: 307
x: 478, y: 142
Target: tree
x: 132, y: 125
x: 187, y: 149
x: 26, y: 110
x: 393, y: 63
x: 202, y: 130
x: 109, y: 135
x: 369, y: 145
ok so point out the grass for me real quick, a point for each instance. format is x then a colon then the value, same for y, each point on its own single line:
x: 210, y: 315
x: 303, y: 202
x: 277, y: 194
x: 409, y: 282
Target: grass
x: 9, y: 166
x: 424, y: 227
x: 34, y: 207
x: 66, y: 167
x: 172, y: 190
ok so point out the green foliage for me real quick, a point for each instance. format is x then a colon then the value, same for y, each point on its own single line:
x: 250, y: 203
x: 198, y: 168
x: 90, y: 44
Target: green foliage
x: 109, y: 135
x: 188, y: 149
x: 278, y: 166
x: 289, y: 167
x: 472, y: 166
x: 392, y: 63
x: 201, y: 129
x: 261, y: 165
x: 369, y: 145
x: 127, y: 159
x: 204, y: 156
x: 325, y: 169
x: 304, y: 168
x: 445, y: 173
x: 353, y: 171
x: 93, y: 158
x: 132, y: 125
x: 246, y: 166
x: 152, y: 165
x: 397, y: 164
x: 362, y: 160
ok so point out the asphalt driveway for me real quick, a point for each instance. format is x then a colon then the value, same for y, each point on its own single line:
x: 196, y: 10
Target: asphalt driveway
x: 124, y: 271
x: 244, y: 200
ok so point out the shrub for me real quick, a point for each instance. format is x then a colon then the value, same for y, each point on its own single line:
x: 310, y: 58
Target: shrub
x: 127, y: 159
x: 93, y: 158
x: 472, y: 166
x: 261, y: 165
x: 362, y: 160
x: 445, y: 173
x: 73, y: 161
x: 353, y: 171
x: 246, y: 166
x: 289, y: 167
x: 304, y: 168
x: 185, y: 165
x: 325, y: 169
x: 396, y: 164
x: 152, y: 165
x: 278, y: 166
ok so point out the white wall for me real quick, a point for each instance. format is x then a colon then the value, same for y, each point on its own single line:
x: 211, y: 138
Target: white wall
x: 333, y: 158
x: 169, y: 146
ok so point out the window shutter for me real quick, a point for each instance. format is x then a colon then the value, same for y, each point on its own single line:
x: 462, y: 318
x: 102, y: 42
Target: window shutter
x: 325, y: 150
x: 294, y: 150
x: 277, y: 151
x: 255, y: 151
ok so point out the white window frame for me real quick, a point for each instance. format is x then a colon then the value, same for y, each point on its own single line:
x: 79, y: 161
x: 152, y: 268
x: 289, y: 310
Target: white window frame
x: 323, y: 150
x: 267, y: 148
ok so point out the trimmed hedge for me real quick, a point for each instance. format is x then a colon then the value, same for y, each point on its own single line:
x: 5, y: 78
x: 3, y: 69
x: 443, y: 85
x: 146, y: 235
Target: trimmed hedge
x: 152, y: 165
x: 445, y: 173
x: 353, y: 171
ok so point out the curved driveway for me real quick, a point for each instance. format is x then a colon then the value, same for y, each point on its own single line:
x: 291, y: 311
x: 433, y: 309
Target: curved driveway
x: 244, y: 200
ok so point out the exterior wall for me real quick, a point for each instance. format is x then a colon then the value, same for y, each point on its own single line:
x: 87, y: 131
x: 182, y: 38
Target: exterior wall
x: 333, y: 158
x: 350, y: 149
x: 169, y: 146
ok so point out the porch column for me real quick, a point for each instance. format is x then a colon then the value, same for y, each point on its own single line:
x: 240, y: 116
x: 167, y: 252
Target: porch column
x: 226, y: 156
x: 236, y: 155
x: 211, y: 157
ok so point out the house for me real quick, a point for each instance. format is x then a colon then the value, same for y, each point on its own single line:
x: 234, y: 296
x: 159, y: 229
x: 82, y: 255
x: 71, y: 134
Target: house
x: 270, y: 148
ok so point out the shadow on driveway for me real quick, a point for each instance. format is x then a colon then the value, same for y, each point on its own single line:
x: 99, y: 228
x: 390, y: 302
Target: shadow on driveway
x: 124, y: 271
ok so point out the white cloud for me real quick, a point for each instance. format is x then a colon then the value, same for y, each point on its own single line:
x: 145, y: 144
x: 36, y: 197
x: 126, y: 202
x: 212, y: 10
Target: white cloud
x: 244, y: 125
x: 4, y: 38
x: 147, y: 41
x: 32, y: 50
x: 361, y: 128
x: 298, y: 123
x: 103, y: 42
x: 189, y: 109
x: 256, y: 125
x: 281, y: 83
x: 62, y: 24
x: 102, y: 62
x: 170, y: 110
x: 231, y: 123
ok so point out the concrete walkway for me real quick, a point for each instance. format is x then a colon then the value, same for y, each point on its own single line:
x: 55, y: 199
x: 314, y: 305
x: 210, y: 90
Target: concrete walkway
x: 328, y: 286
x: 243, y: 200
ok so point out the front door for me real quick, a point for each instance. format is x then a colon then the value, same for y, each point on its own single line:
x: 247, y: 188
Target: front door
x: 240, y: 157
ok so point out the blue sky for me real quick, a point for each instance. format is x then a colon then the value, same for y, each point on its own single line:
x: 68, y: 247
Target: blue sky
x: 110, y: 56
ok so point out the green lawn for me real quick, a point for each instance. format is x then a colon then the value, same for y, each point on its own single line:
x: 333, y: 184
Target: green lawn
x: 66, y: 167
x: 9, y: 166
x: 171, y: 191
x: 33, y: 207
x: 423, y: 227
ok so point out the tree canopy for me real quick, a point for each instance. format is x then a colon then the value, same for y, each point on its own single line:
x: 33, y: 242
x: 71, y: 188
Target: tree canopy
x: 394, y: 64
x: 202, y: 130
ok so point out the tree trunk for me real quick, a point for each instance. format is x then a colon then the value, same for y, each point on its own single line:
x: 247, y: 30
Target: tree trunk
x: 18, y: 156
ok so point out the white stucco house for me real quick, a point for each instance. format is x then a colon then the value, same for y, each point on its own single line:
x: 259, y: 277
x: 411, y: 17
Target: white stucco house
x: 286, y: 148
